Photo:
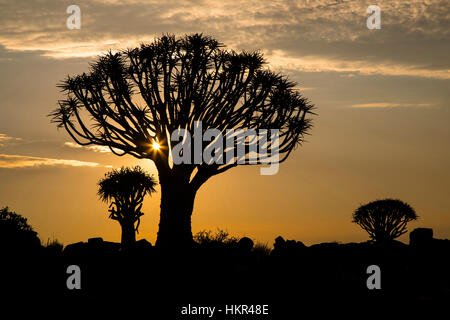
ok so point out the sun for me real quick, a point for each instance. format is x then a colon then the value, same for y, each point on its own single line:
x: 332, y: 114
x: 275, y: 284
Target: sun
x: 156, y: 145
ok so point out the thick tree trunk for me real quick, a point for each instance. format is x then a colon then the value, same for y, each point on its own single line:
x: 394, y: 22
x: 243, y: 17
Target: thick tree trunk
x: 177, y: 202
x: 128, y: 234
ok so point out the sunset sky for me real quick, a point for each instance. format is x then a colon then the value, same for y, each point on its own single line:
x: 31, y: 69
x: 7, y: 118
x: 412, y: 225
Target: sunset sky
x: 382, y: 130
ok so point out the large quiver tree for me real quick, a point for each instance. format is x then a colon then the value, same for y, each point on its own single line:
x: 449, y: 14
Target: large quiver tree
x: 131, y: 99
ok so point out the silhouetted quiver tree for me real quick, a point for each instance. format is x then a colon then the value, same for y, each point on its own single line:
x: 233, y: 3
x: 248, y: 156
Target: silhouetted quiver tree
x: 384, y: 220
x: 130, y: 99
x: 125, y: 189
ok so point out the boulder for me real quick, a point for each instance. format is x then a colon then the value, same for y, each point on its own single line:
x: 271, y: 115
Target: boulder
x: 143, y: 244
x: 279, y: 244
x: 76, y: 247
x: 96, y: 242
x: 245, y: 244
x: 421, y: 237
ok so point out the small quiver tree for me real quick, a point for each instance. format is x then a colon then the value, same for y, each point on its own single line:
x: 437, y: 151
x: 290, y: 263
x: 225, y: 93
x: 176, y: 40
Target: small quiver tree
x: 384, y: 220
x: 125, y: 190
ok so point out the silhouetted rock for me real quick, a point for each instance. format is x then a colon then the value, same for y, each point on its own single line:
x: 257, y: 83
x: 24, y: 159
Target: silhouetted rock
x: 292, y: 244
x: 421, y: 237
x: 113, y: 246
x: 325, y: 245
x: 441, y: 244
x: 284, y: 247
x: 397, y: 244
x: 354, y: 245
x: 280, y: 243
x: 95, y: 241
x: 143, y: 244
x: 92, y: 247
x: 74, y: 248
x: 245, y: 244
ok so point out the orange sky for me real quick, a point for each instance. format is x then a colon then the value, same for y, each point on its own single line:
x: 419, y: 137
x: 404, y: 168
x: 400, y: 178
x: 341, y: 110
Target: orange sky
x: 382, y: 130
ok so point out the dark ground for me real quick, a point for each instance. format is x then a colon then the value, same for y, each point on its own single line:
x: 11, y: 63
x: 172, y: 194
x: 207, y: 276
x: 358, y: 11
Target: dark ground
x: 290, y: 280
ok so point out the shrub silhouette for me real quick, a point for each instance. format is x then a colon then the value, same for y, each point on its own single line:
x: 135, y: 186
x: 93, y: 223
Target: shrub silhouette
x: 125, y: 189
x: 384, y: 220
x: 15, y: 232
x: 262, y: 249
x: 54, y: 245
x: 206, y: 238
x: 135, y: 98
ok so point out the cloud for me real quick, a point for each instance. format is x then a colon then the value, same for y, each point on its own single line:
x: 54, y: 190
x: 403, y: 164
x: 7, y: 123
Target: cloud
x: 305, y: 88
x: 413, y: 40
x: 101, y: 149
x: 4, y: 139
x: 280, y: 60
x: 390, y: 105
x: 19, y: 161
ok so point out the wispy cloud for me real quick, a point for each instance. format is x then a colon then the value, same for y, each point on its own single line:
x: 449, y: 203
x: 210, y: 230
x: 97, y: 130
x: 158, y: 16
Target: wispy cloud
x: 390, y: 105
x: 413, y: 41
x: 101, y: 149
x: 20, y: 161
x: 5, y: 139
x: 281, y: 60
x: 305, y: 88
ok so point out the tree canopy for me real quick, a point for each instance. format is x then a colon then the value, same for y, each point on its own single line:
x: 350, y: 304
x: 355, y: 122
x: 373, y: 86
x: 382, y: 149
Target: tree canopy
x: 131, y: 98
x: 15, y: 231
x: 384, y: 220
x: 13, y: 221
x: 126, y: 188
